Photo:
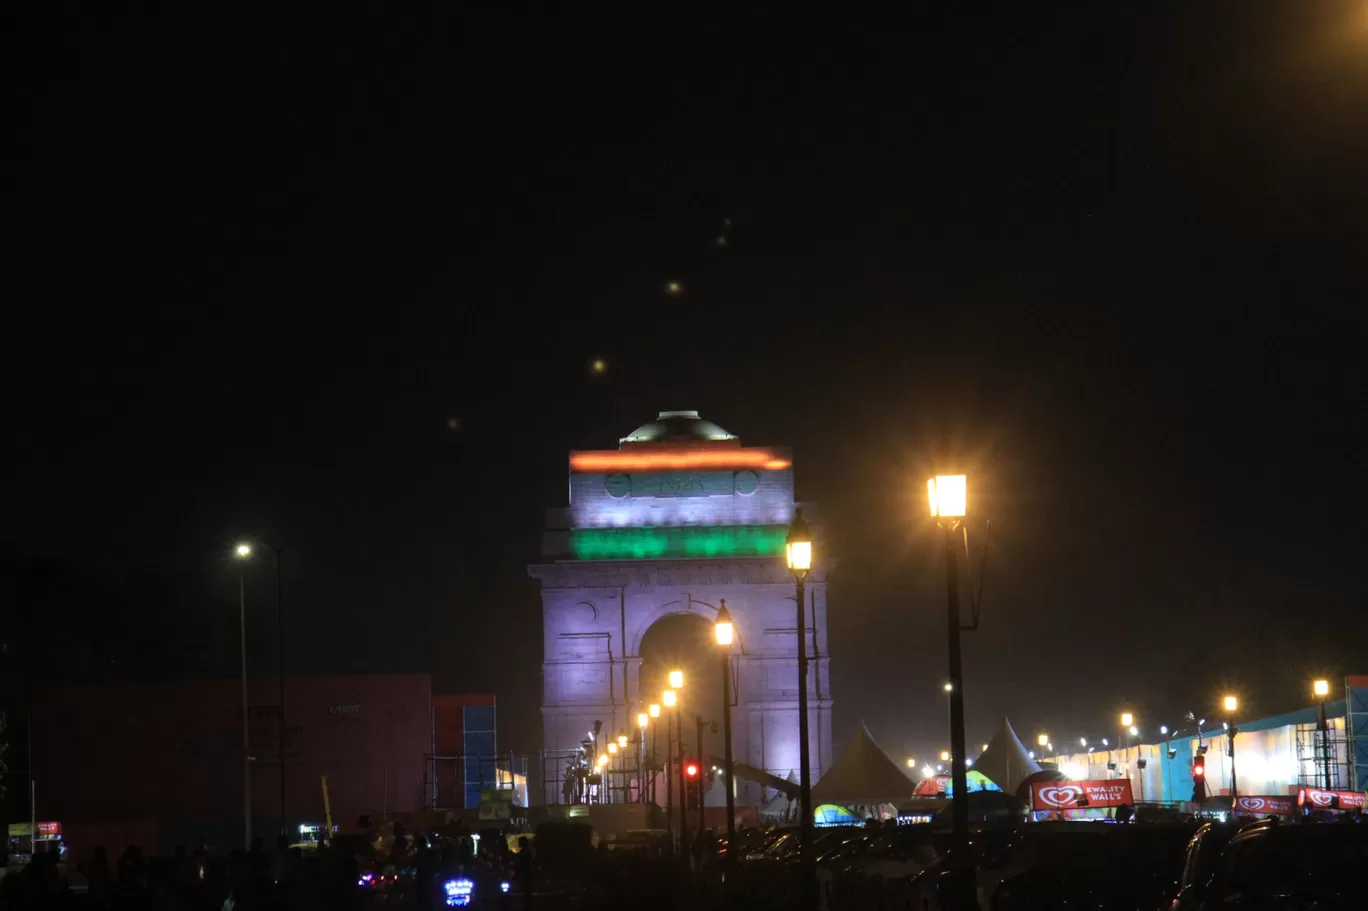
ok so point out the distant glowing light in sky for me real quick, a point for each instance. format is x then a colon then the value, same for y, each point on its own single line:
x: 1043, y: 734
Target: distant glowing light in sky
x: 598, y: 365
x: 674, y: 288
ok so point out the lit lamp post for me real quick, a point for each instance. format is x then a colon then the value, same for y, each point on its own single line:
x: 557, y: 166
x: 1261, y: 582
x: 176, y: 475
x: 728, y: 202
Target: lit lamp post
x: 643, y: 719
x: 243, y: 551
x: 723, y: 631
x: 653, y: 710
x: 1043, y: 741
x: 1322, y: 689
x: 612, y: 753
x: 798, y: 552
x: 948, y: 495
x: 1231, y: 704
x: 670, y: 699
x: 677, y: 684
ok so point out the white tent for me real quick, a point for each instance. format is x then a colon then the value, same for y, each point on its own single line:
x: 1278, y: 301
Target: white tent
x: 862, y: 775
x: 1006, y: 762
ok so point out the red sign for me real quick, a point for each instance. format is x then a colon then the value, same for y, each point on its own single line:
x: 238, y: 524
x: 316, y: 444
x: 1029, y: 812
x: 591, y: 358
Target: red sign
x: 49, y: 828
x: 1265, y: 806
x: 1318, y: 799
x: 1072, y: 795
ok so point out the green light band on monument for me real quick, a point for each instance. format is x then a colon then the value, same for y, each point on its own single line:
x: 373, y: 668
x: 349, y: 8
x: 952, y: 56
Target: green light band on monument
x: 651, y: 543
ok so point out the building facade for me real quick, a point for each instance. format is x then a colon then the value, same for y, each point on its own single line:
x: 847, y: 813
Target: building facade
x: 677, y: 519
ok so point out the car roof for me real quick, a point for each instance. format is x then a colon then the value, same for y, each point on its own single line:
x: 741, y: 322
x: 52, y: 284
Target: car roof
x: 1326, y: 831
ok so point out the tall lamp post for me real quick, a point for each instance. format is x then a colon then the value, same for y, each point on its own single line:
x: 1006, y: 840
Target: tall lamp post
x: 643, y: 719
x: 1322, y: 689
x: 244, y: 551
x: 723, y: 631
x: 653, y: 710
x: 670, y: 700
x: 948, y: 496
x: 612, y: 755
x: 1231, y: 704
x: 798, y: 552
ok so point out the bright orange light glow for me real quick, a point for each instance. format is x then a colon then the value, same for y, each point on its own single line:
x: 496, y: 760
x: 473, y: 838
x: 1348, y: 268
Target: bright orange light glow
x: 612, y: 748
x: 627, y: 461
x: 676, y: 680
x: 653, y: 710
x: 1322, y: 687
x: 948, y: 494
x: 671, y: 699
x: 1127, y: 719
x: 643, y: 719
x: 691, y: 770
x: 1231, y: 703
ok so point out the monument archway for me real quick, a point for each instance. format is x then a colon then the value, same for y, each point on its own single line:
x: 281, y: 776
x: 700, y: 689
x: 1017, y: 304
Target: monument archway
x: 657, y: 534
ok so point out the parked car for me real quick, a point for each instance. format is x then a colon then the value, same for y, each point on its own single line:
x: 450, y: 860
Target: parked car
x: 1291, y: 867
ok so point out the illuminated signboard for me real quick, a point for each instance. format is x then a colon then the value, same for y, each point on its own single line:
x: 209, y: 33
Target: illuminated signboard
x: 653, y: 543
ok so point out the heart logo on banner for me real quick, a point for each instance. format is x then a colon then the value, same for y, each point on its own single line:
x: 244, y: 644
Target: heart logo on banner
x: 1253, y: 803
x: 1065, y: 796
x: 1321, y: 798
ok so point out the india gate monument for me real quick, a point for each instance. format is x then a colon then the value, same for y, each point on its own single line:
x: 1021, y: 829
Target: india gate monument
x: 657, y: 534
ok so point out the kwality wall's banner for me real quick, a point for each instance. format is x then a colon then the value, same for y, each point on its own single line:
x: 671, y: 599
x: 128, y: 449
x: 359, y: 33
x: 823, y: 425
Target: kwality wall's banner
x: 1072, y: 795
x: 1315, y: 798
x: 1266, y: 805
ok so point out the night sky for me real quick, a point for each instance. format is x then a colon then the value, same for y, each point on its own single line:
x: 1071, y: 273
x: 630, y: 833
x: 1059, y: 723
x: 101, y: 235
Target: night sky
x: 337, y: 281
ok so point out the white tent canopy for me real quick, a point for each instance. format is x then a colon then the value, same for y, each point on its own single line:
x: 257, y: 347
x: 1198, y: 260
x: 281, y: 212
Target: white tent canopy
x: 863, y: 774
x: 1006, y: 762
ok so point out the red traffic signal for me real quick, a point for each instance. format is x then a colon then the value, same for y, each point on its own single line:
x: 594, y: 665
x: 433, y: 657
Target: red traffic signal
x: 1198, y: 768
x: 691, y: 770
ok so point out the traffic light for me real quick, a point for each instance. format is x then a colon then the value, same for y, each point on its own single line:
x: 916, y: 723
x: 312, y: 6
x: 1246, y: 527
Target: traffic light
x: 692, y: 792
x: 1199, y: 786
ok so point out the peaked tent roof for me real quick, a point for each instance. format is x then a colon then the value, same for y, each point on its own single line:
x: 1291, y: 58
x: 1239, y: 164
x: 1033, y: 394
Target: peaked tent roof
x: 862, y: 774
x: 1006, y: 762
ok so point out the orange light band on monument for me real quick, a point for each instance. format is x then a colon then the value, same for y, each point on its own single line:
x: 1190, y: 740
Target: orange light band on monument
x: 613, y: 460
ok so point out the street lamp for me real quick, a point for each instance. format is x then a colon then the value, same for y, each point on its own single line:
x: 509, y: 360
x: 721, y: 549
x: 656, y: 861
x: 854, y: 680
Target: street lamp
x: 643, y: 721
x: 1231, y: 705
x: 653, y: 710
x: 1322, y: 689
x: 911, y: 763
x: 948, y: 498
x: 676, y: 684
x: 244, y: 551
x: 945, y: 755
x: 676, y: 680
x: 798, y: 555
x: 723, y: 632
x: 1042, y: 739
x: 670, y: 699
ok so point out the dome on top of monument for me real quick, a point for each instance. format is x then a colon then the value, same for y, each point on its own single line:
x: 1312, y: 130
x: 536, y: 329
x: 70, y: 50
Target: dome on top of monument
x: 677, y: 427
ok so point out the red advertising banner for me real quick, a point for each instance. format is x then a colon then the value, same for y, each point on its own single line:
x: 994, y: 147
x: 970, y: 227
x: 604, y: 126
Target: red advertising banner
x: 1266, y: 805
x: 1072, y: 795
x: 1317, y: 799
x: 932, y: 787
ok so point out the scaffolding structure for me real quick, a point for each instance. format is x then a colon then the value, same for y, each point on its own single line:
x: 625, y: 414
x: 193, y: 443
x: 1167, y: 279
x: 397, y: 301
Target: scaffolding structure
x: 457, y: 781
x: 1356, y: 727
x: 1322, y: 756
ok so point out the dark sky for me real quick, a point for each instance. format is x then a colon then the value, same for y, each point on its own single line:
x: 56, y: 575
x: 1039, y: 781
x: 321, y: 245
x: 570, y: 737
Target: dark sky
x: 1115, y: 258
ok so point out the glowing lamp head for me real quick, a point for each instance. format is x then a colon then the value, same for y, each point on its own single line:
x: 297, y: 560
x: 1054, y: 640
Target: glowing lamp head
x: 643, y: 719
x: 1106, y: 742
x: 911, y: 763
x: 984, y: 748
x: 653, y: 710
x: 1231, y: 703
x: 1082, y: 741
x: 670, y: 698
x: 1133, y: 731
x: 948, y: 494
x: 927, y: 771
x: 622, y: 741
x: 1127, y: 719
x: 1321, y: 688
x: 676, y: 680
x: 612, y: 748
x: 798, y: 546
x: 243, y: 550
x: 1042, y: 740
x: 945, y: 755
x: 1163, y: 729
x: 722, y: 627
